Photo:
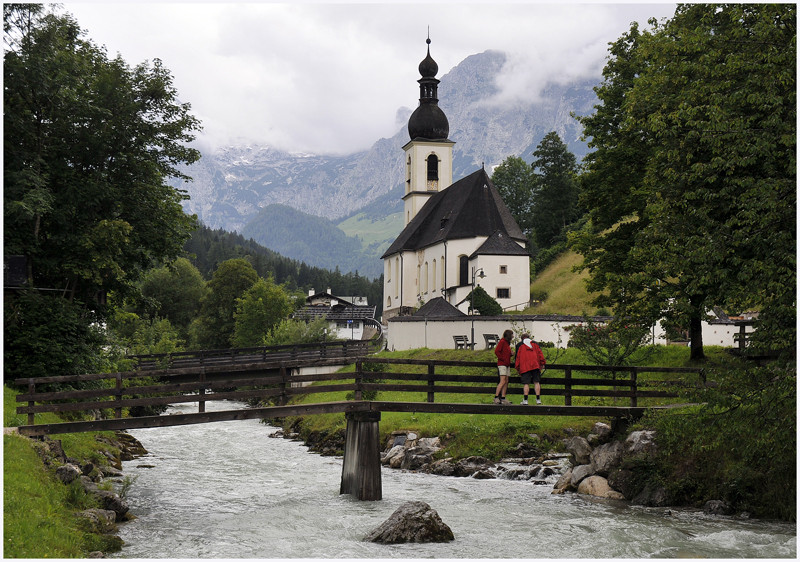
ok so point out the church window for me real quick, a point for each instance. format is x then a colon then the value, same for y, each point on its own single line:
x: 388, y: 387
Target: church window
x: 463, y: 271
x: 443, y: 270
x: 433, y: 167
x: 503, y: 293
x: 425, y: 280
x: 433, y: 276
x: 503, y: 269
x: 388, y: 303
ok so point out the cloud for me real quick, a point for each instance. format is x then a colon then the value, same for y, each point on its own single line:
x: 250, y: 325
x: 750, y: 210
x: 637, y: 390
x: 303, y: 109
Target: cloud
x: 332, y: 78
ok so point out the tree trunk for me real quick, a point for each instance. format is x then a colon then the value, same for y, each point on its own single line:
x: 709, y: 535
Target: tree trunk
x: 696, y: 330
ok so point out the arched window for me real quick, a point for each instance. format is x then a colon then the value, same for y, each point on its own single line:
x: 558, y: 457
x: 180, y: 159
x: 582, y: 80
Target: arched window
x: 433, y: 167
x: 433, y: 276
x: 443, y: 271
x: 463, y: 270
x: 397, y: 276
x: 425, y: 280
x: 388, y: 302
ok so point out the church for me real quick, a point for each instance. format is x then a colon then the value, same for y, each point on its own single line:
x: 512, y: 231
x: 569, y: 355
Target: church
x: 455, y: 235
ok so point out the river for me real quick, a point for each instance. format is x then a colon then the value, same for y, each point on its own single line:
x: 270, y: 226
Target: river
x: 228, y: 490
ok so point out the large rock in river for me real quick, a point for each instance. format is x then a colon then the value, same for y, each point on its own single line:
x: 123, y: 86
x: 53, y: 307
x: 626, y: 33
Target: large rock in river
x: 412, y: 522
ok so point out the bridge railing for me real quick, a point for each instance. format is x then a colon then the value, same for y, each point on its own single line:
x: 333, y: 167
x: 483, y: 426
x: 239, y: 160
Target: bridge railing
x: 327, y: 350
x: 277, y: 379
x: 590, y: 381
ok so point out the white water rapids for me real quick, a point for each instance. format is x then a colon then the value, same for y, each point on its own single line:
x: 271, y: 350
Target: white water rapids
x: 228, y: 490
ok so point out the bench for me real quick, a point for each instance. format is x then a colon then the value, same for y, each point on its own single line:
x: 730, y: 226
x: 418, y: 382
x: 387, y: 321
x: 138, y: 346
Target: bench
x: 491, y: 340
x: 462, y: 342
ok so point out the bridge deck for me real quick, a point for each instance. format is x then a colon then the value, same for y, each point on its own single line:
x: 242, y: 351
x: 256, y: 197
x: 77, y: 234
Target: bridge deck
x: 332, y: 408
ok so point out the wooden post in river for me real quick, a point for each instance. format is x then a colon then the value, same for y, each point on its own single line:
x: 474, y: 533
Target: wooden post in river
x: 361, y: 468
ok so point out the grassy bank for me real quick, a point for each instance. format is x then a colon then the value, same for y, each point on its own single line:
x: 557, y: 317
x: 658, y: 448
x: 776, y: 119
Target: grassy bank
x: 38, y: 510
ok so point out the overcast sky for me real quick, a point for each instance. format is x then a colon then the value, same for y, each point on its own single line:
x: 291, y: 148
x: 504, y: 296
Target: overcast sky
x: 327, y: 77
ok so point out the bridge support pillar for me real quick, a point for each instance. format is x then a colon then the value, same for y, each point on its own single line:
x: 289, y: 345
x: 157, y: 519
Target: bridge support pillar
x: 361, y: 469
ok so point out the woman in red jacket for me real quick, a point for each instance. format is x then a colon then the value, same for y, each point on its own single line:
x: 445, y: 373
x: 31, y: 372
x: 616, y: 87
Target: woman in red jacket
x: 530, y: 363
x: 503, y: 352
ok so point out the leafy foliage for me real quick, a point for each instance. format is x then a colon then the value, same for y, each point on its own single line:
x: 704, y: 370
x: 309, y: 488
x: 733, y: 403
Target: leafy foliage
x: 174, y: 292
x: 289, y: 331
x: 484, y: 304
x: 694, y: 178
x: 612, y: 343
x: 260, y: 309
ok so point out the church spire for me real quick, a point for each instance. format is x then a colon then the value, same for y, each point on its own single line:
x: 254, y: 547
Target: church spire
x: 428, y: 121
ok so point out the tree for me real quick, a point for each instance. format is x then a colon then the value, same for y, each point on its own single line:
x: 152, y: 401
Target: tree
x: 258, y: 311
x: 514, y: 180
x: 89, y: 144
x: 216, y: 323
x: 176, y: 290
x: 555, y: 194
x: 702, y: 112
x: 483, y: 303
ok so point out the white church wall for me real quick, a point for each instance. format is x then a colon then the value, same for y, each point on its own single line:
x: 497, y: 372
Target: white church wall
x: 507, y: 272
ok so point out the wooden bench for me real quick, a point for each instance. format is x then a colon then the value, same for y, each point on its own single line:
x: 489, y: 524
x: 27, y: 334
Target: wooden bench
x: 491, y: 340
x: 462, y: 342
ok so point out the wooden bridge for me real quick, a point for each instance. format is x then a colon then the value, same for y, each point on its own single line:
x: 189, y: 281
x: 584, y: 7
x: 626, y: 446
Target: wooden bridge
x: 256, y: 375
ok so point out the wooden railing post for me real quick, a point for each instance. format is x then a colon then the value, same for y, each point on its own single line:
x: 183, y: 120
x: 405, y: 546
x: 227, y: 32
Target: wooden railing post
x: 568, y: 386
x: 201, y: 404
x: 634, y: 382
x: 118, y: 396
x: 284, y: 398
x: 31, y: 403
x: 431, y: 369
x: 359, y: 379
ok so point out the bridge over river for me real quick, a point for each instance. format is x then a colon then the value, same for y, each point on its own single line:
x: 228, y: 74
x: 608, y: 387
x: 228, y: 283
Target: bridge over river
x: 340, y: 377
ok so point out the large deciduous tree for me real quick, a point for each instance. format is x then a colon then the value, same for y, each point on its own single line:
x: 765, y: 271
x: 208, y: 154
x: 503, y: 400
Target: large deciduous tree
x: 262, y: 307
x: 89, y: 143
x: 702, y: 113
x: 513, y: 179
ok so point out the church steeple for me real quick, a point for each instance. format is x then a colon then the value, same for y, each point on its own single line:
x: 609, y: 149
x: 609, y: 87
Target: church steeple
x: 428, y: 121
x: 429, y: 153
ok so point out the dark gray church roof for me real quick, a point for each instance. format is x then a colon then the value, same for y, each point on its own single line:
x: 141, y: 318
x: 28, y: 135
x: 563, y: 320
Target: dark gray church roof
x: 500, y: 244
x: 468, y: 208
x: 438, y: 308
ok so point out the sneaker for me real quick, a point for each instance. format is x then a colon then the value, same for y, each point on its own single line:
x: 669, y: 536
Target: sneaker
x: 524, y: 402
x: 497, y: 400
x: 538, y: 401
x: 505, y: 401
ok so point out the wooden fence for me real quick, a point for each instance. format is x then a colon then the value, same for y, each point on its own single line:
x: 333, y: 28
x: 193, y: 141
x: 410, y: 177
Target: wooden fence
x: 272, y: 379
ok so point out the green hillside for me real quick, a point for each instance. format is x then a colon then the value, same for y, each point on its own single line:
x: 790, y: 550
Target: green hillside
x: 376, y: 234
x: 565, y: 289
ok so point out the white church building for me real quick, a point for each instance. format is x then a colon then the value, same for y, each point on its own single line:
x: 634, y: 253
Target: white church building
x: 456, y: 235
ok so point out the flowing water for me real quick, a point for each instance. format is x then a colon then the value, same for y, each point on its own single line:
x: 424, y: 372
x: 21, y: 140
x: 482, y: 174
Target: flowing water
x: 228, y: 490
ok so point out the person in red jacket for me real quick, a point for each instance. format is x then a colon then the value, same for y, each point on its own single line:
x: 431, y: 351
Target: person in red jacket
x: 503, y: 352
x: 530, y: 363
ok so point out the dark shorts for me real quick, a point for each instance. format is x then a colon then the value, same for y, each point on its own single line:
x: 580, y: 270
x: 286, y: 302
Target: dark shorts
x: 531, y: 376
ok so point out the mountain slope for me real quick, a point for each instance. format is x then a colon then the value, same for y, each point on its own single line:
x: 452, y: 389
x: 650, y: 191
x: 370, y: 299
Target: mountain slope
x: 232, y: 185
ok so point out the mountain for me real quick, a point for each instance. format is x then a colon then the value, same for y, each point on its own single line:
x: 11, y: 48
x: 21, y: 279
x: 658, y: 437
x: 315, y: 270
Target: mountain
x: 235, y: 186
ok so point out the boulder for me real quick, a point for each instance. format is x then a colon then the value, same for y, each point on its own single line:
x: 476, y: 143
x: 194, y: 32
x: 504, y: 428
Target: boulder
x: 602, y: 432
x: 717, y: 507
x: 483, y: 474
x: 579, y: 473
x: 471, y: 465
x: 415, y: 458
x: 442, y: 467
x: 606, y: 457
x: 413, y: 521
x: 67, y: 473
x: 624, y: 481
x: 101, y: 521
x: 564, y: 483
x: 395, y: 452
x: 641, y: 442
x: 580, y: 450
x: 598, y: 486
x: 107, y: 499
x: 651, y: 496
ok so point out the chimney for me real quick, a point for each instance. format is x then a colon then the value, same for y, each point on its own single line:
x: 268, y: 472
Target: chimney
x: 311, y: 292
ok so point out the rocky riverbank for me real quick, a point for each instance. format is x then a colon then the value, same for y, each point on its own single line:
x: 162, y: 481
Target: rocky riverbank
x: 98, y: 480
x: 601, y: 464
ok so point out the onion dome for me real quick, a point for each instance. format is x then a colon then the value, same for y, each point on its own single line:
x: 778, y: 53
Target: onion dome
x: 428, y: 121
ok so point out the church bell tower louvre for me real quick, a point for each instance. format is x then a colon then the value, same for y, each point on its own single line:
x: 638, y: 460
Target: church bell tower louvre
x: 429, y: 153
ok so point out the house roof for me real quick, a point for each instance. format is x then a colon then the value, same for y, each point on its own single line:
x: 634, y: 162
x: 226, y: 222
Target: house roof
x: 500, y: 244
x: 438, y: 308
x: 470, y: 207
x: 336, y: 312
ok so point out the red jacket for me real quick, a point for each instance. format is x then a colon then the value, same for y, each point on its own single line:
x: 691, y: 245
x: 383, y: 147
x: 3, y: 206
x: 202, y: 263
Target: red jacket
x: 529, y: 358
x: 503, y: 352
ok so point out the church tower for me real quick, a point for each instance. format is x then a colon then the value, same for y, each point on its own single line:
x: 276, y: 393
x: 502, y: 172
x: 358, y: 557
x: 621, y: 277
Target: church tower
x: 429, y: 153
